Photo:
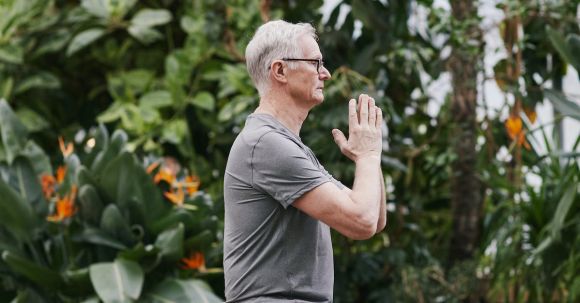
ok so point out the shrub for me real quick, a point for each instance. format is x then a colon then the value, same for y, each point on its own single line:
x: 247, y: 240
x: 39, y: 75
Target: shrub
x: 102, y: 226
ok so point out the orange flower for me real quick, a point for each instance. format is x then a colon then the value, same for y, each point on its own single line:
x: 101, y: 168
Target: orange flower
x: 65, y: 149
x: 65, y: 207
x: 60, y: 174
x: 176, y: 198
x: 513, y: 126
x: 195, y: 261
x: 191, y: 184
x: 152, y: 167
x: 164, y: 175
x: 47, y: 181
x: 515, y: 131
x: 531, y: 113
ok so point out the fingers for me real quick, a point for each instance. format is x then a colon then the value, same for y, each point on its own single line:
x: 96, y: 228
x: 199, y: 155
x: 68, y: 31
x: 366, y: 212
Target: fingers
x: 379, y: 122
x: 365, y: 112
x: 364, y: 109
x: 339, y: 138
x: 352, y: 117
x: 372, y: 112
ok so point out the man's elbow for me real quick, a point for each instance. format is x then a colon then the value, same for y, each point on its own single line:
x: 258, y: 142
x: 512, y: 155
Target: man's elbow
x: 365, y: 230
x: 381, y: 225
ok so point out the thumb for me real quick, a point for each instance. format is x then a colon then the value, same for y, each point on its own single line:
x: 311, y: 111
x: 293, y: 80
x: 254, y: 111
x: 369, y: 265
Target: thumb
x: 339, y: 138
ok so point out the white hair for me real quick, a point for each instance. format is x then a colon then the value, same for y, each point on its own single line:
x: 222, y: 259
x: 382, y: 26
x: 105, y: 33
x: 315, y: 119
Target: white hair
x: 274, y: 40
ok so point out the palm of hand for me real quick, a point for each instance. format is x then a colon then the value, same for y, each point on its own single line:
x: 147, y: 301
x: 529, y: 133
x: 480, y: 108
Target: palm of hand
x: 365, y: 135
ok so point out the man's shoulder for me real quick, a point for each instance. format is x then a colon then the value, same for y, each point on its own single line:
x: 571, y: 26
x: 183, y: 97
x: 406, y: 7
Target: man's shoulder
x: 267, y: 137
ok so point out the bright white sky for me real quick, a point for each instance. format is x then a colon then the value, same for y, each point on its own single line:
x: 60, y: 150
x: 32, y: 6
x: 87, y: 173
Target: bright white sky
x: 439, y: 88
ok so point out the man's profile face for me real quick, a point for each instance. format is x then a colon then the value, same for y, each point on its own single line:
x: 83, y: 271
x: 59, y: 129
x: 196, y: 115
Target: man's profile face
x: 305, y: 83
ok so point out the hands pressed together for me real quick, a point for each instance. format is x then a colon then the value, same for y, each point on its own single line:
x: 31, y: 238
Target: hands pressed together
x: 364, y: 130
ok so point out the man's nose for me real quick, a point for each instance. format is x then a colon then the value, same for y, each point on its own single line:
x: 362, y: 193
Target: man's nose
x: 324, y: 74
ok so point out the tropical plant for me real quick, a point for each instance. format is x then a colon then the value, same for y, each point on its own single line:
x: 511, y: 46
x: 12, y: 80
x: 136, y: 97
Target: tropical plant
x: 525, y: 232
x: 169, y: 77
x: 101, y: 226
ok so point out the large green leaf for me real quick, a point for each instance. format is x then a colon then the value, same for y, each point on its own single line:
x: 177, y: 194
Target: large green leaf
x: 169, y: 219
x: 118, y: 181
x: 234, y: 107
x: 562, y: 210
x: 116, y: 225
x: 114, y: 147
x: 53, y: 43
x: 2, y: 154
x: 29, y: 186
x: 16, y: 214
x: 106, y: 9
x: 176, y: 291
x: 119, y: 281
x: 11, y: 54
x: 562, y: 104
x: 174, y: 131
x: 145, y: 35
x: 113, y: 113
x: 564, y: 51
x: 40, y: 275
x: 90, y: 204
x: 32, y: 120
x: 39, y: 80
x: 150, y: 198
x: 13, y: 133
x: 151, y: 17
x: 83, y: 39
x: 6, y: 86
x: 170, y: 243
x: 190, y: 25
x: 156, y: 99
x: 203, y: 100
x: 37, y: 157
x: 573, y: 42
x: 98, y: 237
x: 97, y: 8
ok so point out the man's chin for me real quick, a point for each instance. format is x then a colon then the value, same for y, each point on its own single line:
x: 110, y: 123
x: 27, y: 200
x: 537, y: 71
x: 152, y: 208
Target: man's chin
x: 319, y: 97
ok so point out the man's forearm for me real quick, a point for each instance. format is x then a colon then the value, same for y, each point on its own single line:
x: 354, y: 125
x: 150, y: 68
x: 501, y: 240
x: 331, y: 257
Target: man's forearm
x: 382, y: 222
x: 366, y: 190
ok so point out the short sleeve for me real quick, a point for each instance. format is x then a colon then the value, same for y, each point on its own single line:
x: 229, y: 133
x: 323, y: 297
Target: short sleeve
x: 281, y: 168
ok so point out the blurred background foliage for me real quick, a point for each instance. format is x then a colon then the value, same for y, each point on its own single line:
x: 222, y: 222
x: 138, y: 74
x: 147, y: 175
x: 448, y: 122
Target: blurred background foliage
x: 167, y: 79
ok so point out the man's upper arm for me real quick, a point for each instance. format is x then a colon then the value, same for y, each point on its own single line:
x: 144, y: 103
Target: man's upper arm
x: 334, y: 207
x: 283, y: 170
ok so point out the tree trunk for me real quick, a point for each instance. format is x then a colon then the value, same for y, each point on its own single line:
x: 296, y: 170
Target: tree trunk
x: 466, y: 194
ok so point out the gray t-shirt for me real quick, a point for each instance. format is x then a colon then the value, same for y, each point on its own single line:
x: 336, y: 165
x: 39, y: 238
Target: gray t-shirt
x: 273, y: 252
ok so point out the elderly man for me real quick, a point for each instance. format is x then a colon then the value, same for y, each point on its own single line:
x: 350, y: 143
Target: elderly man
x: 279, y: 200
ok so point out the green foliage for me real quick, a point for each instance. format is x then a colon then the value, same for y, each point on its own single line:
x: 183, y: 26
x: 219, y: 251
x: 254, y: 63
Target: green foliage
x: 118, y: 281
x: 527, y: 233
x: 167, y: 78
x: 117, y: 244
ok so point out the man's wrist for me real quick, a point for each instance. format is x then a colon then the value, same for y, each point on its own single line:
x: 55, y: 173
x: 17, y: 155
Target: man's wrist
x: 375, y: 159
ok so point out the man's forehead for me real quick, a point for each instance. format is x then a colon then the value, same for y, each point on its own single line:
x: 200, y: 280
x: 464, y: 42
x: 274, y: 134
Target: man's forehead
x: 309, y: 46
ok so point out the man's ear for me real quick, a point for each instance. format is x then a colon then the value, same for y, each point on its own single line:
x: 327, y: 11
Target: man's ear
x: 279, y: 71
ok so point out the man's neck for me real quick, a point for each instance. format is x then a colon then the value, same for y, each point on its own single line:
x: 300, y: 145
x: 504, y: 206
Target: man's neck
x: 285, y: 110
